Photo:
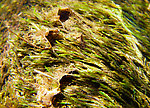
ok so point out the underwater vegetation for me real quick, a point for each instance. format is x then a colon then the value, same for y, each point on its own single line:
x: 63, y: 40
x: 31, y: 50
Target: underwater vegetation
x: 76, y: 54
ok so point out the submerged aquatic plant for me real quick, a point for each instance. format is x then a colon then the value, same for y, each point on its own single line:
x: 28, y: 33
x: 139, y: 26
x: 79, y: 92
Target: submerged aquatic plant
x: 99, y: 57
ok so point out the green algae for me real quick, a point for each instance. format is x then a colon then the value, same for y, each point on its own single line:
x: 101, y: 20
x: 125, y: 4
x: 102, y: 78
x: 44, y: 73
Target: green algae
x: 104, y: 52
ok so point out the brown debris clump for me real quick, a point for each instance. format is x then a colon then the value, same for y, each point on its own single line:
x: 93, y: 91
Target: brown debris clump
x: 64, y: 14
x: 53, y: 35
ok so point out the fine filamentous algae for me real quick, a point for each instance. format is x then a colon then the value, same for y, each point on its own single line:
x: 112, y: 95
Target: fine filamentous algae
x: 75, y: 54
